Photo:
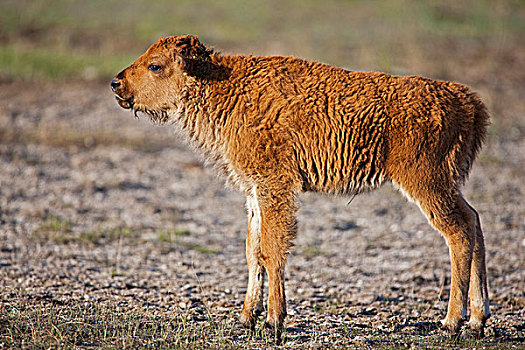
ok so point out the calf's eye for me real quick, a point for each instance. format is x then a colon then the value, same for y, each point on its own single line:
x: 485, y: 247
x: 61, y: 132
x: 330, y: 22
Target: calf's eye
x: 154, y: 68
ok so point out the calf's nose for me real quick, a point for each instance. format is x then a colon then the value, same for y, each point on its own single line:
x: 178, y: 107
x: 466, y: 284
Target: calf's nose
x: 115, y: 84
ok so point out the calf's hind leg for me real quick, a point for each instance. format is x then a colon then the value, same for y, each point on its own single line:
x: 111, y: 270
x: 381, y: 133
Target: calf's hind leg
x: 451, y: 215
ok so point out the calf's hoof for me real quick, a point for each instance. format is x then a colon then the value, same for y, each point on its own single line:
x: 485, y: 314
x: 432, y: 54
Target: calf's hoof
x: 451, y: 327
x: 472, y: 334
x: 474, y: 330
x: 247, y: 321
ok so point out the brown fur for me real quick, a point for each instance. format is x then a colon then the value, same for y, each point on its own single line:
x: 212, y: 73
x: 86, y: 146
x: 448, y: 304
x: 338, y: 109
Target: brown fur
x: 277, y: 126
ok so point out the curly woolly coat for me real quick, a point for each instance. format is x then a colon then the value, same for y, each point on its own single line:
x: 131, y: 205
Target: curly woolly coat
x: 277, y: 126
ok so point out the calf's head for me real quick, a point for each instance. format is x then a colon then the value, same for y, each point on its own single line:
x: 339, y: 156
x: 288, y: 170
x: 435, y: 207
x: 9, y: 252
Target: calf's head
x: 155, y: 83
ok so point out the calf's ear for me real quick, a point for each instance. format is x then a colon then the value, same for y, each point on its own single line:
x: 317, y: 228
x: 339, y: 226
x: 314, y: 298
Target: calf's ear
x: 194, y: 59
x: 191, y: 55
x: 194, y: 67
x: 190, y: 46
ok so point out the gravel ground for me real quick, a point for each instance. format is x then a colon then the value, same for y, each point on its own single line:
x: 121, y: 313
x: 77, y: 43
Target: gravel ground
x: 97, y: 207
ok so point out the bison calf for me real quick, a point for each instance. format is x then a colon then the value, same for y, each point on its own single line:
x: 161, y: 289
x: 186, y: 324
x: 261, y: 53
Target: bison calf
x: 277, y: 126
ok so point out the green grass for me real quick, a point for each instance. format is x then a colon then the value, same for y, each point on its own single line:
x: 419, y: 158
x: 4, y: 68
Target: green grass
x: 56, y: 224
x: 59, y: 230
x: 202, y: 249
x: 171, y: 235
x: 101, y: 235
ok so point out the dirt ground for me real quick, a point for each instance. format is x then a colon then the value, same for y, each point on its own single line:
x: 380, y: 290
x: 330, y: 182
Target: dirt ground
x: 98, y: 207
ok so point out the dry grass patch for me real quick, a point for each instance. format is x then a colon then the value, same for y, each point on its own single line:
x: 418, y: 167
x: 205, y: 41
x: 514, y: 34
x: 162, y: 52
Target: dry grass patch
x: 51, y: 324
x: 62, y: 136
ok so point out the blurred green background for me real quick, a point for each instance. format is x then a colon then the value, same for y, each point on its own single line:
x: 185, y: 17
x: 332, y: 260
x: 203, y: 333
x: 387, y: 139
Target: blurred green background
x: 92, y: 39
x: 480, y: 43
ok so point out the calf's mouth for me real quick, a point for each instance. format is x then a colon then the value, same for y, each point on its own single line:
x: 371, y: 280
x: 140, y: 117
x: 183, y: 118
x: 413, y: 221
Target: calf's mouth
x: 126, y: 103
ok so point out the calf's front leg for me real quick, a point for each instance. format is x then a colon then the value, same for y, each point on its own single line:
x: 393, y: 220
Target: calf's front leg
x: 278, y: 229
x: 253, y: 301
